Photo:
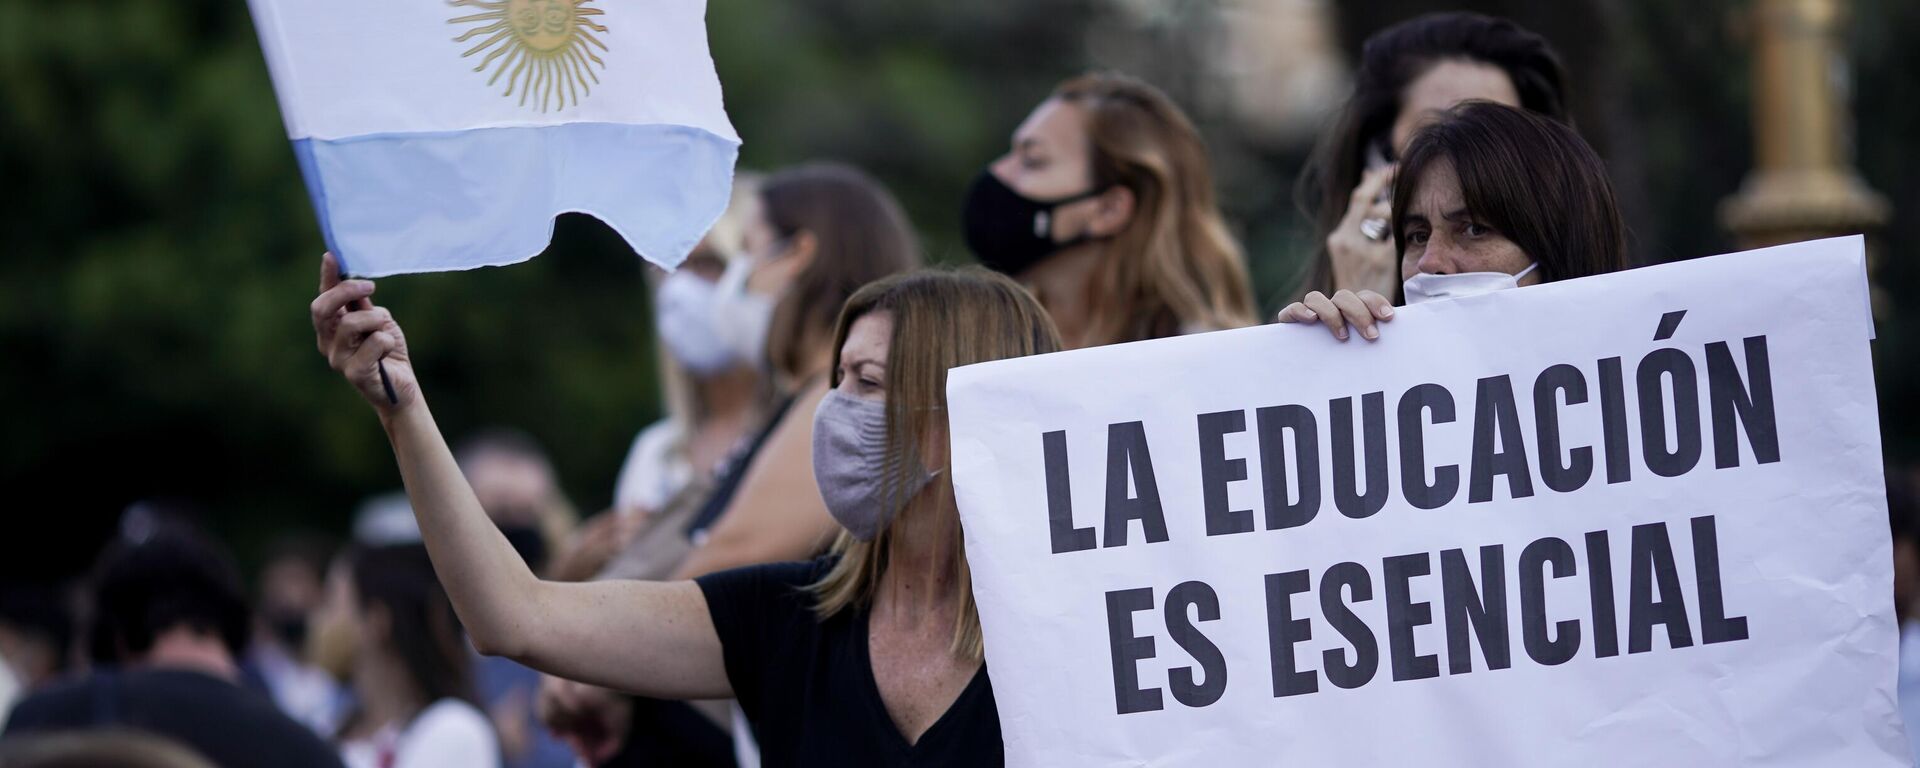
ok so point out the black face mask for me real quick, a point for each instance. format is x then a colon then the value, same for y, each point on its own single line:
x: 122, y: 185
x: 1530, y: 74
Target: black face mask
x: 1009, y: 232
x: 291, y: 630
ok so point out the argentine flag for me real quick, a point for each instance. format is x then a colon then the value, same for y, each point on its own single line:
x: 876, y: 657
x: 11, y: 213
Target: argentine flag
x: 446, y: 134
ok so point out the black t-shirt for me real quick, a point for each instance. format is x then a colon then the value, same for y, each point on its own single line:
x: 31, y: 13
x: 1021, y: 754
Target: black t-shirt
x: 229, y: 725
x: 807, y: 686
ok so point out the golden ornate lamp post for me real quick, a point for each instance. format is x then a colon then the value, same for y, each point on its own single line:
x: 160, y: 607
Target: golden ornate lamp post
x: 1803, y: 185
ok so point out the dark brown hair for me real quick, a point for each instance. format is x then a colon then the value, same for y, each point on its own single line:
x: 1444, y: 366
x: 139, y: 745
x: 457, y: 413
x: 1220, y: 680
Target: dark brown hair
x: 1391, y: 60
x: 1531, y: 179
x: 942, y: 319
x: 173, y: 577
x: 1175, y: 268
x: 421, y: 623
x: 861, y: 235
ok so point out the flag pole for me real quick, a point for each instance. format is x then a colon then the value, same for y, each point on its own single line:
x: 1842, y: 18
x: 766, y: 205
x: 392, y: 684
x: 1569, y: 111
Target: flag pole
x: 386, y: 382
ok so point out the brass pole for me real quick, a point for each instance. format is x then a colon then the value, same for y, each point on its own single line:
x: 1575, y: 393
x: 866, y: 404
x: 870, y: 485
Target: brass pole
x: 1803, y: 185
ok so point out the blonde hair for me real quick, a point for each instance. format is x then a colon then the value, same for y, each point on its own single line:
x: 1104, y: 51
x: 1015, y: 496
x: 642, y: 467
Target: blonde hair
x: 1175, y: 268
x: 724, y: 240
x: 942, y: 319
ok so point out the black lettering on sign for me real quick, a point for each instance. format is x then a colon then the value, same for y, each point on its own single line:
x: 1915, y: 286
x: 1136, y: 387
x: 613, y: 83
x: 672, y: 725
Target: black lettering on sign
x: 1606, y: 627
x: 1274, y: 423
x: 1066, y: 538
x: 1544, y: 646
x: 1653, y: 567
x: 1213, y: 665
x: 1404, y: 615
x: 1128, y: 650
x: 1284, y: 631
x: 1613, y: 421
x: 1715, y: 625
x: 1347, y: 496
x: 1676, y: 459
x: 1749, y: 403
x: 1127, y: 454
x: 1568, y: 476
x: 1216, y: 471
x: 1482, y: 611
x: 1351, y: 578
x: 1434, y: 399
x: 1497, y: 419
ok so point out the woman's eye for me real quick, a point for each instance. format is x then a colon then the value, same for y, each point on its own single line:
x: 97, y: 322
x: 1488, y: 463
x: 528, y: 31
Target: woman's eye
x: 1476, y: 230
x: 1417, y: 237
x: 871, y: 384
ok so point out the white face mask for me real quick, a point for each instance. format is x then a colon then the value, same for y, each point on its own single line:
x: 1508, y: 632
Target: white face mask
x: 741, y: 317
x: 1430, y: 287
x: 684, y: 315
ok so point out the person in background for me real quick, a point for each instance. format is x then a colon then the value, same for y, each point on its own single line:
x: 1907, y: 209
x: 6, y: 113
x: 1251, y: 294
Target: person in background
x: 870, y: 656
x: 712, y: 390
x: 1492, y: 197
x: 411, y: 668
x: 290, y: 585
x: 517, y: 486
x: 714, y: 397
x: 1104, y: 208
x: 170, y: 621
x: 1409, y: 74
x: 813, y: 235
x: 819, y: 233
x: 36, y: 637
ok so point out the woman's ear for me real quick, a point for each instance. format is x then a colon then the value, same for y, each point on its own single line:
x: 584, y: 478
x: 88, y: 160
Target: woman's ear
x: 1113, y: 210
x: 802, y: 248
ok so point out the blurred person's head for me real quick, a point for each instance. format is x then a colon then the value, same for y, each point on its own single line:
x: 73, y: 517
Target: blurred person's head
x: 1109, y: 168
x: 292, y: 581
x: 36, y: 631
x: 880, y: 436
x: 516, y: 485
x: 1493, y: 190
x: 387, y: 627
x: 686, y: 300
x: 1410, y: 74
x: 820, y: 232
x: 98, y: 748
x: 170, y: 598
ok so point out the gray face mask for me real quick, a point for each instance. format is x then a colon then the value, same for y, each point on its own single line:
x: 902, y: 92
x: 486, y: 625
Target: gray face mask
x: 852, y: 468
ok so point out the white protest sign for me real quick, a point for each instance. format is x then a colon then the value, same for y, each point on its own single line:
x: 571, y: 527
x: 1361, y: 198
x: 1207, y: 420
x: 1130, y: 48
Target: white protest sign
x: 1635, y: 519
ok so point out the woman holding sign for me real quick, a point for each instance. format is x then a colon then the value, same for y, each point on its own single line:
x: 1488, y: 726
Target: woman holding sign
x: 870, y: 656
x: 1493, y: 197
x: 1105, y: 208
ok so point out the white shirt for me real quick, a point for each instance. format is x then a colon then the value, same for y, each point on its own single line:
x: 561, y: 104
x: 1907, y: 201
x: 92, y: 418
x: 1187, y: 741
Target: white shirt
x: 654, y: 470
x: 449, y: 734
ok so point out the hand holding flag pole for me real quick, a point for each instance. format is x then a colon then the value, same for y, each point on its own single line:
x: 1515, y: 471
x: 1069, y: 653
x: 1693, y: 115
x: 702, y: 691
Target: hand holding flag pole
x: 349, y: 328
x: 386, y: 381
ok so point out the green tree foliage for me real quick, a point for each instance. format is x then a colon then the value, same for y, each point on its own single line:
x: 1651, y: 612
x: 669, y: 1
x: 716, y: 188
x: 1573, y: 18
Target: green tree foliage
x: 162, y: 251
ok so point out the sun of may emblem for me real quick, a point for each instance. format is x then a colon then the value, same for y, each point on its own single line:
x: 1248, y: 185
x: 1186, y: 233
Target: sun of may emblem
x: 544, y: 48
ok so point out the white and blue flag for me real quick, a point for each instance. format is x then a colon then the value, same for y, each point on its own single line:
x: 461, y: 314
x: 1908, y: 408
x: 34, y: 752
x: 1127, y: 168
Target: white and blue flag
x: 447, y: 134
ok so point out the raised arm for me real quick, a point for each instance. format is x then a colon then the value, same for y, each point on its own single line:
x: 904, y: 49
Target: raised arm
x: 655, y: 639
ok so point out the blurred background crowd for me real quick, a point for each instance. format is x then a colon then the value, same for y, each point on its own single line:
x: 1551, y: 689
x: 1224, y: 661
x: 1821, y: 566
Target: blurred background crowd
x: 162, y: 391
